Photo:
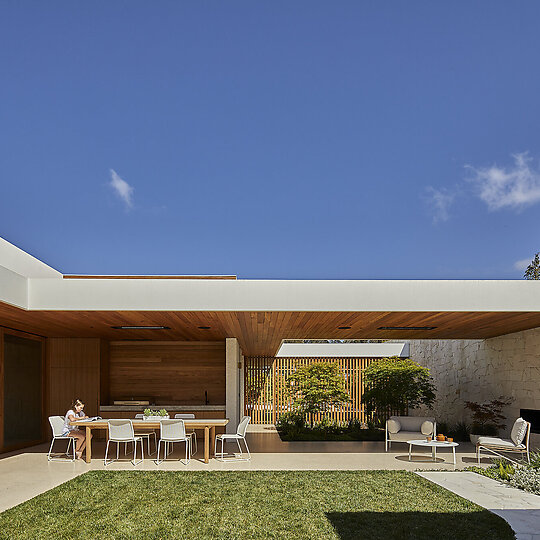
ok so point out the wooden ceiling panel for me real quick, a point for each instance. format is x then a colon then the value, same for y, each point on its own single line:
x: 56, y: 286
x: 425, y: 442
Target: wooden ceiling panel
x: 260, y: 333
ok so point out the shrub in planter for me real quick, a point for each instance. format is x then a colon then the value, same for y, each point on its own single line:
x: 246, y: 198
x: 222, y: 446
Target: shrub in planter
x: 487, y: 417
x: 150, y: 414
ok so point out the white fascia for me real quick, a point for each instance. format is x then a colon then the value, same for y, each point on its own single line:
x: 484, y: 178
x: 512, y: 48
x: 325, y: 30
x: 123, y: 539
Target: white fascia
x: 342, y: 350
x: 279, y: 295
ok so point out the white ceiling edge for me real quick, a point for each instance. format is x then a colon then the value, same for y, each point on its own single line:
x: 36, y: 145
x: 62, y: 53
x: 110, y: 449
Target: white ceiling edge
x: 16, y: 260
x: 342, y: 350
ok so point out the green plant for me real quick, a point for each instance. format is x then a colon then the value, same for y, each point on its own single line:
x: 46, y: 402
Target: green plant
x: 395, y: 384
x: 151, y: 412
x: 533, y: 270
x: 506, y: 470
x: 527, y: 479
x: 487, y: 416
x: 535, y: 460
x: 317, y: 386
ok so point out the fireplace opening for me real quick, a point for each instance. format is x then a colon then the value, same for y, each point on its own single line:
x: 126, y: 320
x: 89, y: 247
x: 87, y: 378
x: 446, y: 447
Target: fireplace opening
x: 532, y: 416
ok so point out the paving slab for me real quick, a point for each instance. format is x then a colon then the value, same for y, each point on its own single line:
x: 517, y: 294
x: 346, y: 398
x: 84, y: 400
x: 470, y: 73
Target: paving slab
x: 519, y: 508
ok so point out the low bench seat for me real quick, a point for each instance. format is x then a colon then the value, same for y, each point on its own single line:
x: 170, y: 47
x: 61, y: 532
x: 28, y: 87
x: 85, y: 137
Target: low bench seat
x: 408, y: 428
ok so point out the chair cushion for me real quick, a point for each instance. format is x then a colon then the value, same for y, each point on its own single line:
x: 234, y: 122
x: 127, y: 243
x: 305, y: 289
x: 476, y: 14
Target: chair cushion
x: 495, y: 441
x: 406, y: 436
x: 393, y: 425
x: 427, y: 428
x: 518, y: 431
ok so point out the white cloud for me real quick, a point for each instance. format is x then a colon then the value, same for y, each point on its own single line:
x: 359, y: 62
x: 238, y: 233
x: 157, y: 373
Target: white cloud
x: 515, y: 187
x: 122, y: 189
x: 522, y: 264
x: 440, y: 201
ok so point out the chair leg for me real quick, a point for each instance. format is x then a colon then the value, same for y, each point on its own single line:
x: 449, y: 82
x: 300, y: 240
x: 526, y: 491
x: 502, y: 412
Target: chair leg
x: 50, y: 450
x: 106, y: 453
x: 158, y: 449
x: 239, y: 447
x: 247, y: 448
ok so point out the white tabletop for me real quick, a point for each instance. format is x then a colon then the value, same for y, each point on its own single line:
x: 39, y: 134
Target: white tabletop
x: 431, y: 444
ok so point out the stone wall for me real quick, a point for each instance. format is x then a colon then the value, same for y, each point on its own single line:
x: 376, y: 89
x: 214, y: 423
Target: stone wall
x: 478, y: 370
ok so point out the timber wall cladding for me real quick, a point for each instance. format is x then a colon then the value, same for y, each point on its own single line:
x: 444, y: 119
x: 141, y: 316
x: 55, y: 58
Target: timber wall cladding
x: 168, y: 372
x: 73, y: 370
x: 265, y: 388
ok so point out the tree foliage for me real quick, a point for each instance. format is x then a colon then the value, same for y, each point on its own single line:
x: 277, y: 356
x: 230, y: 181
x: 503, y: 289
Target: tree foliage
x: 533, y: 270
x: 488, y: 413
x: 316, y: 386
x: 395, y: 384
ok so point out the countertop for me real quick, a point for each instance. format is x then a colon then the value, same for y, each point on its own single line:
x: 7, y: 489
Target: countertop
x: 172, y: 408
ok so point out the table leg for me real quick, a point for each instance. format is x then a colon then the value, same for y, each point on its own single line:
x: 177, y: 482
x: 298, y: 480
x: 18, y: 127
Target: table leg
x: 434, y: 453
x: 206, y: 444
x: 212, y: 439
x: 410, y: 445
x: 454, y: 453
x: 88, y: 444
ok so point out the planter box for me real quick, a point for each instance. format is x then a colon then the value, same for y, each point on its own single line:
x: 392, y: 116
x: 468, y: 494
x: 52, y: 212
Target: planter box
x: 156, y: 418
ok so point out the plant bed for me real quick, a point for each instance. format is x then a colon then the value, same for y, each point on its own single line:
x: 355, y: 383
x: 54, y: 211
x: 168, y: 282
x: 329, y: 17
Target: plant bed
x: 334, y: 505
x: 315, y: 434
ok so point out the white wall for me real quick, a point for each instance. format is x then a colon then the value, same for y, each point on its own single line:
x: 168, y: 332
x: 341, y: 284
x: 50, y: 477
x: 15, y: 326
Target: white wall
x: 478, y: 370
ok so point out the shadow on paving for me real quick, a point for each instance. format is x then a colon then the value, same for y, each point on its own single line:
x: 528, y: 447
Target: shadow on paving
x: 419, y: 525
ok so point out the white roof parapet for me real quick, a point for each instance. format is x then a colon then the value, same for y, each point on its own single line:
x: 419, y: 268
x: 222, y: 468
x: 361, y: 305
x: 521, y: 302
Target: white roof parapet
x: 343, y: 350
x: 22, y: 263
x: 281, y: 295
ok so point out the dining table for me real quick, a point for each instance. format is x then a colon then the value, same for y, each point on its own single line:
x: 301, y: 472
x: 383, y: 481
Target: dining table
x: 209, y: 426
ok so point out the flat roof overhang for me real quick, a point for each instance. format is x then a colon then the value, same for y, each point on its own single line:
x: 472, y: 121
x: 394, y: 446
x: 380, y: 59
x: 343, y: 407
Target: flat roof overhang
x: 260, y: 313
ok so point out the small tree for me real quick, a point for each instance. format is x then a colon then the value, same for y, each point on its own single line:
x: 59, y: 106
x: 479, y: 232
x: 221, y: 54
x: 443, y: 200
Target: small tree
x: 487, y: 417
x: 533, y: 270
x: 316, y: 386
x: 395, y: 384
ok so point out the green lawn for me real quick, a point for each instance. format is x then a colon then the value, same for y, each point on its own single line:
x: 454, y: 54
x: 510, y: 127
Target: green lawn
x: 245, y: 505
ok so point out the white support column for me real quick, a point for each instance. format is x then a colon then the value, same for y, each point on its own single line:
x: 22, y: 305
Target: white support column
x: 233, y: 369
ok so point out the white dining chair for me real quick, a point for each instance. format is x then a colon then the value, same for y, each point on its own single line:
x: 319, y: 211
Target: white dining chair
x: 173, y: 431
x: 240, y: 435
x: 192, y: 434
x: 145, y: 434
x: 121, y: 431
x: 57, y: 426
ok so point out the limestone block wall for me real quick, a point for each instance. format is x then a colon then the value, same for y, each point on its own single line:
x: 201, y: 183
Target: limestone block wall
x: 478, y: 370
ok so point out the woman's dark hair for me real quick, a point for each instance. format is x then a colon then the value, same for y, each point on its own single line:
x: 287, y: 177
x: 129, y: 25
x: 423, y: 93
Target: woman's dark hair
x: 76, y: 403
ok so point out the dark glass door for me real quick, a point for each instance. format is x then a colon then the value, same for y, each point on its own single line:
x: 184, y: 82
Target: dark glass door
x: 23, y: 400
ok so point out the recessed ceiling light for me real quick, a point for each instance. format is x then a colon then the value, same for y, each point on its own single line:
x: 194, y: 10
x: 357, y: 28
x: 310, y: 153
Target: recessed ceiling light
x: 407, y: 327
x: 204, y: 328
x: 141, y: 327
x: 344, y: 327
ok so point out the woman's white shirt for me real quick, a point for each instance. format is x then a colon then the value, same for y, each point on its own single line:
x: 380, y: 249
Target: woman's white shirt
x: 67, y: 427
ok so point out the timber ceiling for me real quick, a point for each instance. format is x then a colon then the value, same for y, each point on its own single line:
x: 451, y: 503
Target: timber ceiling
x: 261, y: 333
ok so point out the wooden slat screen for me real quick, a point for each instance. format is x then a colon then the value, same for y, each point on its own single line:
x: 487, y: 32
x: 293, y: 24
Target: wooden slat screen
x: 266, y: 396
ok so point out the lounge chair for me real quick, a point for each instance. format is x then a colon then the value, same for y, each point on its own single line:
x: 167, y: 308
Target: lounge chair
x: 518, y: 442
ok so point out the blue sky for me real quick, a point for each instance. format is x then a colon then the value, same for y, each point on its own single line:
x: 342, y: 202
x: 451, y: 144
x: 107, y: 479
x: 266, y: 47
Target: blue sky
x: 300, y: 140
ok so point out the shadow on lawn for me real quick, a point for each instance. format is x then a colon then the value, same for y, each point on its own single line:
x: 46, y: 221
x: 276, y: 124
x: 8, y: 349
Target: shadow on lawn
x: 419, y: 525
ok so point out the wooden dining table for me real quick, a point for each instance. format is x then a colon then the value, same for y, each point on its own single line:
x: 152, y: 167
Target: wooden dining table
x: 207, y: 424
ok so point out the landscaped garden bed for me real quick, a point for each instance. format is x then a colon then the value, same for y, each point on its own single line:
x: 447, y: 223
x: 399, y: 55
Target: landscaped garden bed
x: 526, y: 476
x: 237, y: 505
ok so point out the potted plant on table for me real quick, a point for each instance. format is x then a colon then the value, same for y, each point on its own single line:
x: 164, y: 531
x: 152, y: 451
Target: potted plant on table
x: 487, y: 417
x: 152, y: 415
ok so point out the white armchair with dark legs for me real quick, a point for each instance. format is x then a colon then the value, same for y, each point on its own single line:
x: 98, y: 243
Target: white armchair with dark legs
x: 57, y: 426
x: 240, y: 435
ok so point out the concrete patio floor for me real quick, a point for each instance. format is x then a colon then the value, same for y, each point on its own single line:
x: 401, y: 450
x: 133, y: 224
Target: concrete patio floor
x: 27, y: 473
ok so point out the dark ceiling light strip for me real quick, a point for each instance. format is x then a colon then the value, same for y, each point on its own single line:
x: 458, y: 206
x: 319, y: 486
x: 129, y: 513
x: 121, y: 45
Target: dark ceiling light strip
x: 22, y: 331
x: 203, y: 327
x: 344, y: 327
x: 406, y: 328
x: 141, y: 327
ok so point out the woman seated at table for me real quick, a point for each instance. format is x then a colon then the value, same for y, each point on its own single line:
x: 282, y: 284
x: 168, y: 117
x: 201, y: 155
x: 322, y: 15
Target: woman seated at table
x: 74, y: 414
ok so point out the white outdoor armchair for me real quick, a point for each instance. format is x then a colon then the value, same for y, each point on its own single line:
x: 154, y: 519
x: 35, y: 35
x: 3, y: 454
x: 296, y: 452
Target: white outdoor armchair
x: 57, y: 426
x: 240, y: 435
x: 406, y: 428
x: 517, y: 444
